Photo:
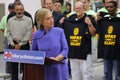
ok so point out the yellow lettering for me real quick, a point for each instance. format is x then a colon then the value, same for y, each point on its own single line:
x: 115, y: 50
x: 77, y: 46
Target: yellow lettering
x: 109, y: 43
x: 74, y: 44
x: 76, y: 37
x: 110, y: 36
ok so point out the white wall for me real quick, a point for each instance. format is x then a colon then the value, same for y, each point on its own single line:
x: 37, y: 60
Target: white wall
x: 2, y: 1
x: 30, y: 5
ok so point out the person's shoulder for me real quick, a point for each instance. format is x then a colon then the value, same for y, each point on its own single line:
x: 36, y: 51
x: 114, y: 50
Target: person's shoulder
x: 70, y: 14
x: 57, y: 14
x: 118, y: 13
x: 36, y: 33
x: 54, y: 12
x: 4, y: 18
x: 118, y: 10
x: 27, y: 14
x: 91, y: 12
x: 11, y: 19
x: 102, y: 10
x: 57, y: 29
x: 11, y: 14
x: 64, y: 12
x: 26, y: 17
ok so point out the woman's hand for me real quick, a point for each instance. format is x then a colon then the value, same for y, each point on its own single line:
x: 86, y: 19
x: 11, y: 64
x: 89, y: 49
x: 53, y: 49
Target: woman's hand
x: 54, y: 58
x: 58, y: 58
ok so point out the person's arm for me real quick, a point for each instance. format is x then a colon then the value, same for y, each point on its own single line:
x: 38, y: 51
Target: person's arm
x: 8, y: 33
x: 3, y: 23
x: 99, y: 17
x: 91, y: 27
x: 58, y: 58
x: 10, y: 15
x: 34, y: 42
x: 58, y: 23
x: 64, y: 51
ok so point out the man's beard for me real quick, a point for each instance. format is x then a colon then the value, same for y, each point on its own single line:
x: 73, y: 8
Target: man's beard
x: 19, y: 15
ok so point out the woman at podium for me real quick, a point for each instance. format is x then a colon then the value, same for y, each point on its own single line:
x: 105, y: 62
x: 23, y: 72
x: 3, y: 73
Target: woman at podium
x: 52, y: 40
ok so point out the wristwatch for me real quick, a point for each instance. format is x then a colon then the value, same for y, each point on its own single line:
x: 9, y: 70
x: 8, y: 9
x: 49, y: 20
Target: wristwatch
x: 90, y: 24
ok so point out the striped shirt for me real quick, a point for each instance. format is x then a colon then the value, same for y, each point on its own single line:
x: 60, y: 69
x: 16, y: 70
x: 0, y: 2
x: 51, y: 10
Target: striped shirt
x: 19, y: 30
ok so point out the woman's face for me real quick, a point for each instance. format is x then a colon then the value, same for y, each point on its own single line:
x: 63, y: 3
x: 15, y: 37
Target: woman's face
x: 48, y: 21
x: 68, y: 7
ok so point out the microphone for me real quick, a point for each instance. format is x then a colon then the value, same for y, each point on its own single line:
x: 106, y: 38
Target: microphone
x: 40, y: 37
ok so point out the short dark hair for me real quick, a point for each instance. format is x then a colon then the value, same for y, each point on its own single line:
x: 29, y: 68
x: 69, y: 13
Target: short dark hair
x: 45, y: 1
x: 103, y: 1
x: 114, y: 3
x: 88, y: 0
x: 18, y: 4
x: 57, y: 2
x: 11, y: 6
x: 17, y: 1
x: 68, y: 4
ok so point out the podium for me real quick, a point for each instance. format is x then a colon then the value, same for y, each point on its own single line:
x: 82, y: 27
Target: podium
x: 36, y: 71
x: 33, y: 72
x: 34, y: 62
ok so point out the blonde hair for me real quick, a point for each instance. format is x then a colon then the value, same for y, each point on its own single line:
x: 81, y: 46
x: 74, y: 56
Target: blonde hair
x: 40, y: 17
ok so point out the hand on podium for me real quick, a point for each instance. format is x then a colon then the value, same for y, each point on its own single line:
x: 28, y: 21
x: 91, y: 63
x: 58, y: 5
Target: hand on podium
x: 58, y: 58
x: 52, y: 60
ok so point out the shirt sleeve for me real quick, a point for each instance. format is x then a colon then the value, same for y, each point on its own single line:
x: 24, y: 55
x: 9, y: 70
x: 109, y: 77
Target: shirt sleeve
x: 9, y: 38
x: 3, y: 23
x: 64, y: 45
x: 34, y: 43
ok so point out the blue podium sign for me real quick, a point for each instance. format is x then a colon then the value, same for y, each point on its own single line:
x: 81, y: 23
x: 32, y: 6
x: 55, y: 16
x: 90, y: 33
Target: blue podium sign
x: 24, y: 56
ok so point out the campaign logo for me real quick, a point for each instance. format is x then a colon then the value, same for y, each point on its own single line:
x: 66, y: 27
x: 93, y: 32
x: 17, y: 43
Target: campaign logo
x: 24, y: 56
x: 7, y: 55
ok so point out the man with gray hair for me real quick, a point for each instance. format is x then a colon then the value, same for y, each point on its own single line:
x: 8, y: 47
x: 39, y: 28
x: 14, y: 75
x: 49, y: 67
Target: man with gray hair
x: 78, y: 30
x: 19, y: 29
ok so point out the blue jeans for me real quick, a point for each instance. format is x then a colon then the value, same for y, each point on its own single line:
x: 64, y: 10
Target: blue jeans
x: 109, y: 67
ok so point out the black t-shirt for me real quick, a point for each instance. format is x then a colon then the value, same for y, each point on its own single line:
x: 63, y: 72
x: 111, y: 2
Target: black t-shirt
x: 109, y: 38
x: 78, y: 37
